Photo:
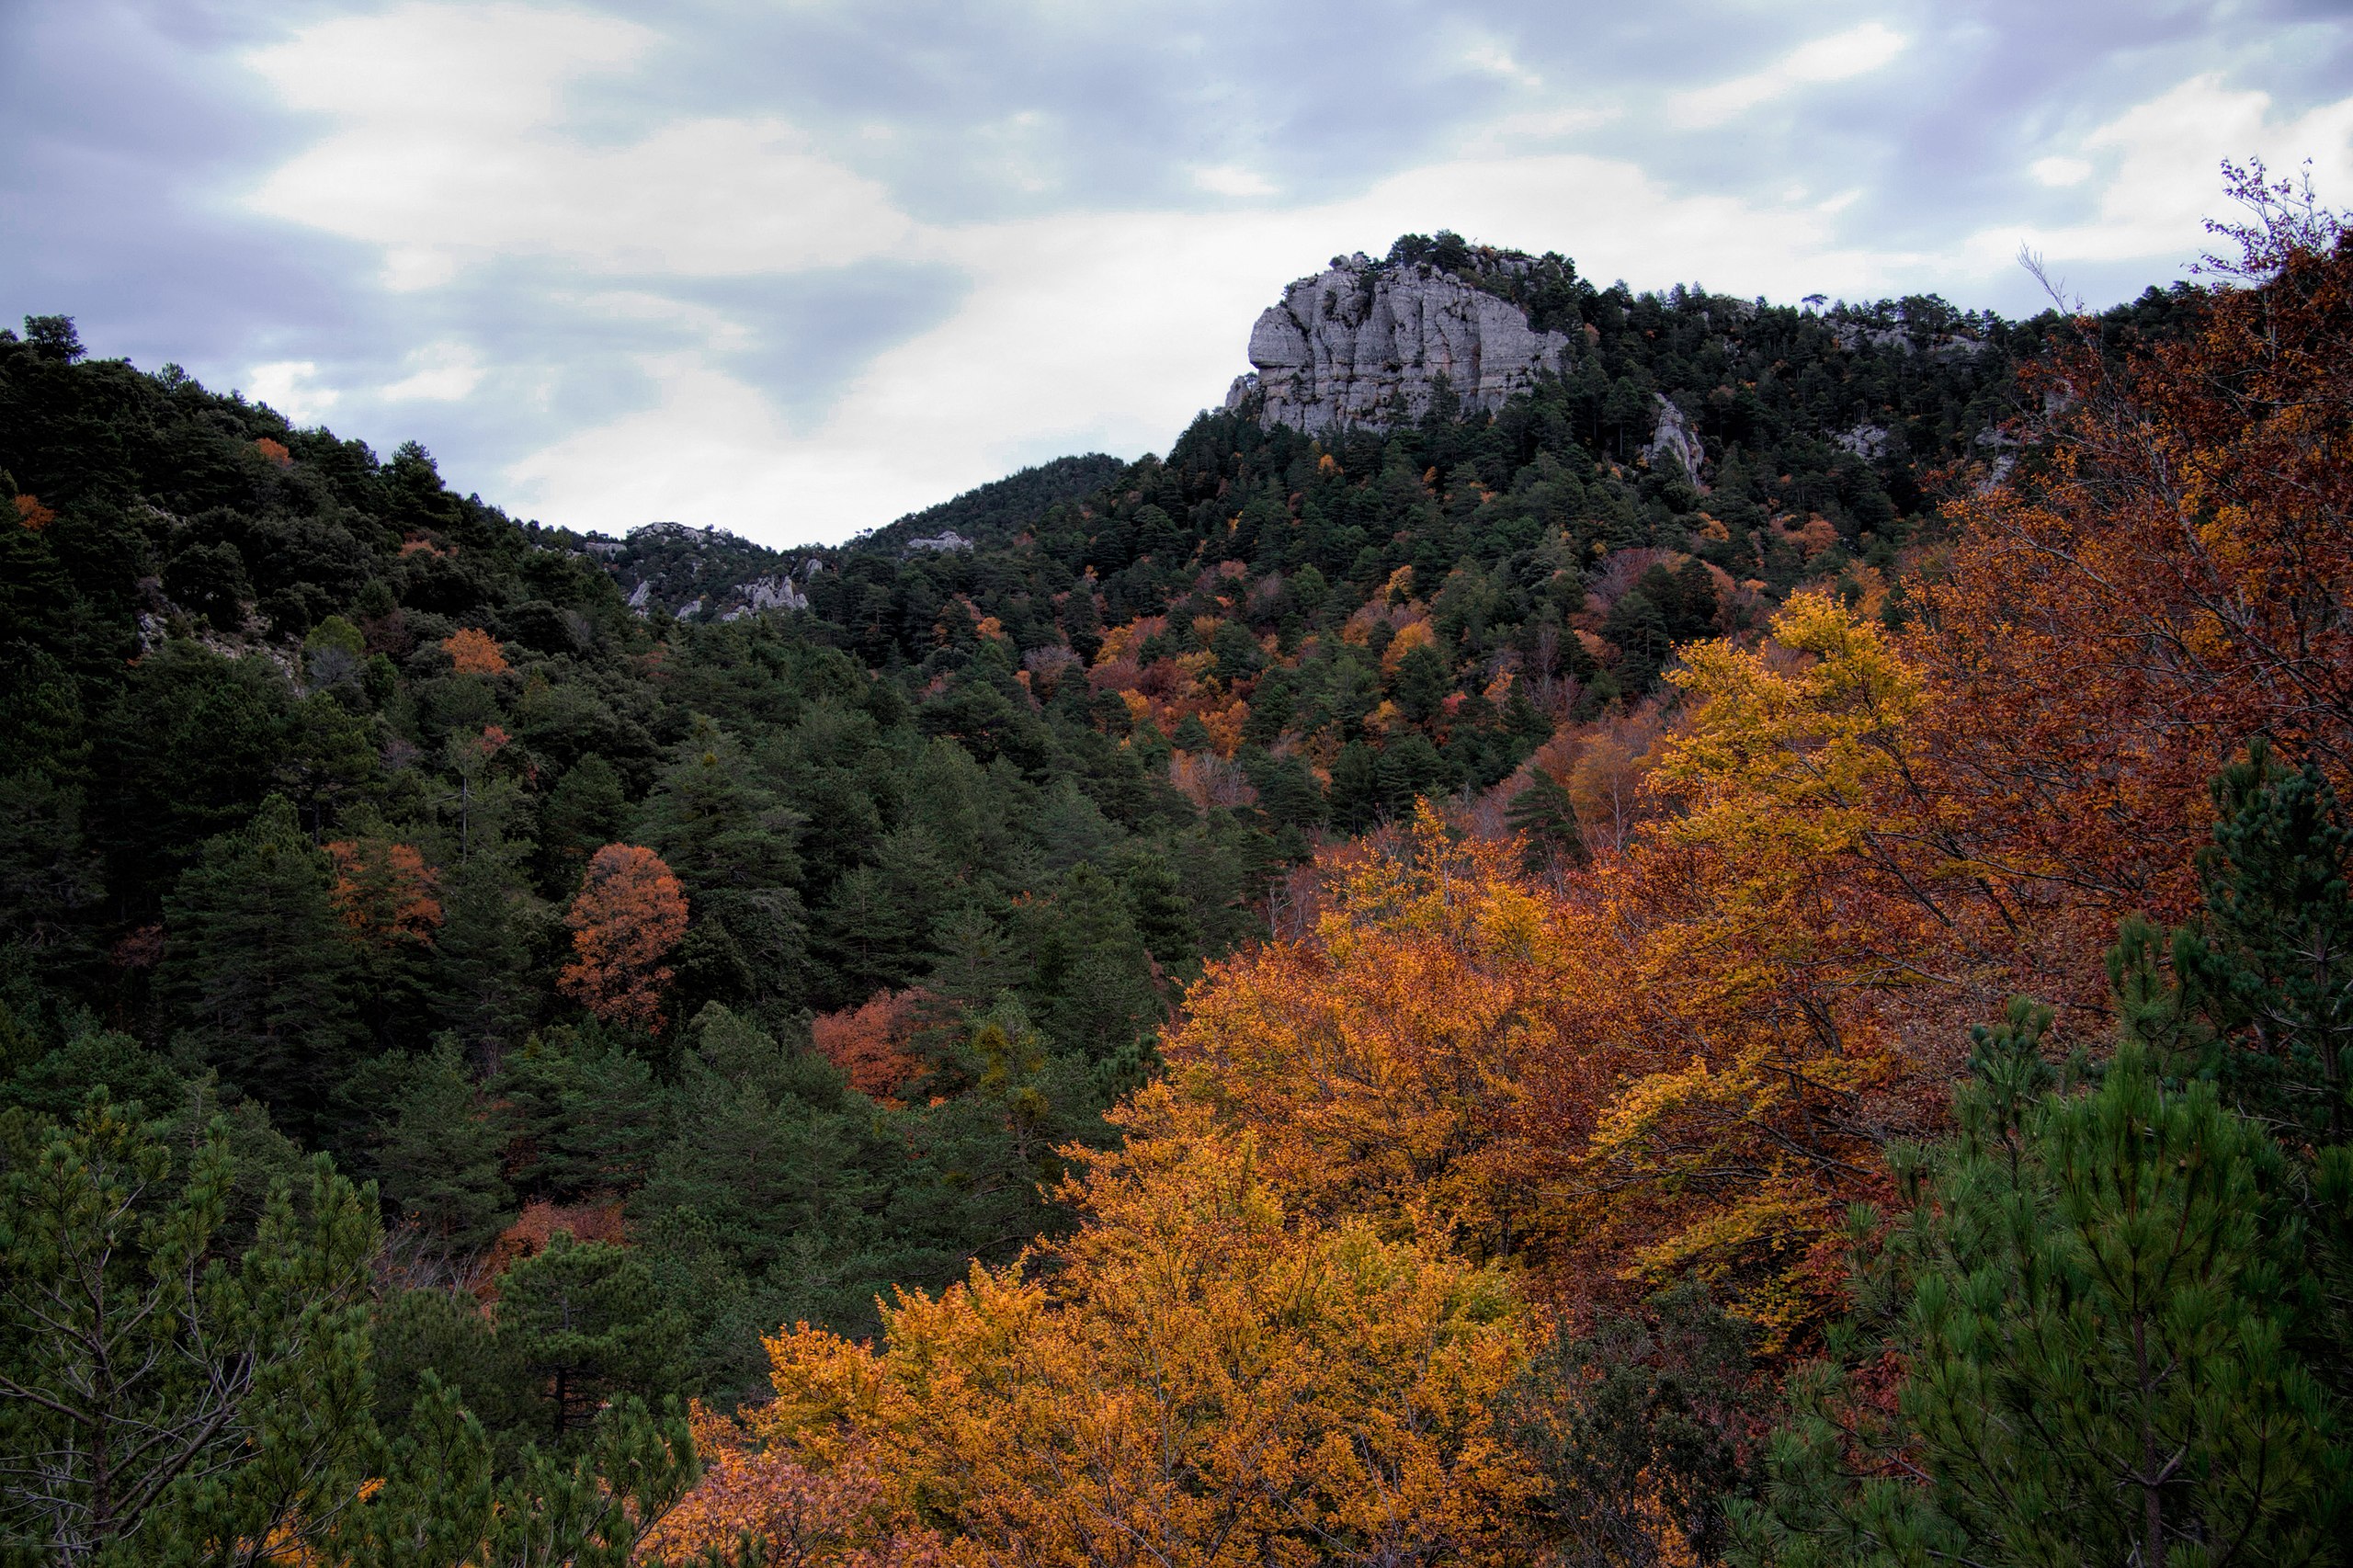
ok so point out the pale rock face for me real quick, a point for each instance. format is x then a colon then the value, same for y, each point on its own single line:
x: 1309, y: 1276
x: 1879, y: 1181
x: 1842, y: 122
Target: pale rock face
x: 766, y: 594
x: 1343, y: 344
x: 1674, y: 437
x: 1866, y: 440
x: 941, y: 543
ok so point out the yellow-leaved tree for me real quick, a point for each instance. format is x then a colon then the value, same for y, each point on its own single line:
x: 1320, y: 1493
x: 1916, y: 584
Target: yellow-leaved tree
x: 1200, y: 1374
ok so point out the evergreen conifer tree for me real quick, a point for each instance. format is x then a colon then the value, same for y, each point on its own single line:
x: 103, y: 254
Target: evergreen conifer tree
x: 482, y: 953
x: 1544, y: 814
x: 441, y: 1160
x: 2272, y: 964
x: 259, y: 968
x: 155, y: 1396
x: 2098, y: 1302
x: 583, y: 1321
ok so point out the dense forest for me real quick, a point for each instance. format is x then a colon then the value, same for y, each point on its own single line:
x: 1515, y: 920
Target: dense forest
x: 1454, y: 992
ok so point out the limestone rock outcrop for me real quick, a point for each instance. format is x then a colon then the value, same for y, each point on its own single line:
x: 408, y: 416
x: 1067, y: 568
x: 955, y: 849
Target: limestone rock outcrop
x: 1675, y: 438
x: 1343, y: 345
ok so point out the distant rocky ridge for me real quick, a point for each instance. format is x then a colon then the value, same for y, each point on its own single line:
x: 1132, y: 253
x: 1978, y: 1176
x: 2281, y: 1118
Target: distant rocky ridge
x: 1366, y: 343
x: 702, y: 574
x: 705, y: 573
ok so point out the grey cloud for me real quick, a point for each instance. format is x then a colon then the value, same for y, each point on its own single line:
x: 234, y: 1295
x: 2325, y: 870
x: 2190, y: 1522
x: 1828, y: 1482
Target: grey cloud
x: 127, y: 131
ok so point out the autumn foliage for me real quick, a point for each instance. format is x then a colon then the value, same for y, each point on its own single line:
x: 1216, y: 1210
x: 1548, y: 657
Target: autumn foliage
x: 870, y: 1042
x: 1606, y: 1085
x: 627, y: 918
x: 1212, y: 1376
x: 385, y: 892
x: 539, y: 1219
x: 1460, y: 1097
x: 795, y: 1515
x: 474, y: 653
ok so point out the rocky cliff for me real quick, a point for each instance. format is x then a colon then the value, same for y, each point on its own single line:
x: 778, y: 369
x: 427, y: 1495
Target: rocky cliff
x: 1343, y: 346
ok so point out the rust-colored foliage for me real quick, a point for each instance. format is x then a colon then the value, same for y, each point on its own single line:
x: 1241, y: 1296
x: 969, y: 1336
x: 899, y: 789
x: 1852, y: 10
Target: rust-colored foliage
x: 1210, y: 780
x: 799, y: 1517
x: 870, y: 1042
x: 474, y: 653
x: 528, y: 1236
x: 626, y: 920
x: 385, y: 892
x: 32, y: 514
x: 2116, y: 625
x: 274, y: 452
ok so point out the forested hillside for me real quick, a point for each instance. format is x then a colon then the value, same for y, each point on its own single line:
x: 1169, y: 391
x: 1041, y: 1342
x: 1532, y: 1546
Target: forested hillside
x: 1442, y: 992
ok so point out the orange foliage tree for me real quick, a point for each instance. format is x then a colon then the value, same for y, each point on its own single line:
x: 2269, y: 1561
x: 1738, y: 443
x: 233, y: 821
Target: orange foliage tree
x: 870, y: 1042
x: 385, y: 892
x: 794, y: 1516
x: 1210, y: 1376
x: 1607, y: 1082
x: 2117, y: 624
x: 626, y: 920
x: 474, y: 653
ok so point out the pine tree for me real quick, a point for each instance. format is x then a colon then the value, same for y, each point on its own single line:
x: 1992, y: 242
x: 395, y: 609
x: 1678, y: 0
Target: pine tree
x: 2272, y: 966
x: 976, y: 965
x: 582, y: 1111
x: 1356, y: 801
x: 1545, y: 816
x: 260, y: 969
x: 1409, y: 769
x: 715, y: 823
x: 2099, y: 1305
x: 482, y: 991
x: 1422, y: 683
x: 1163, y: 917
x: 440, y: 1158
x: 1094, y: 977
x: 48, y: 875
x: 154, y: 1394
x: 1192, y: 735
x: 583, y: 1320
x: 587, y: 810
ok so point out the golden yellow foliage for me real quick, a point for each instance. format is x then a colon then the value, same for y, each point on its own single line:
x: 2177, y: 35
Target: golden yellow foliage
x: 1211, y: 1377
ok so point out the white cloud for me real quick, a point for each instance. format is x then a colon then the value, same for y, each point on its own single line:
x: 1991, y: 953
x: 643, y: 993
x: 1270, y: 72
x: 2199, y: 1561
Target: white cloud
x: 2153, y: 172
x: 290, y: 386
x: 442, y: 372
x: 1109, y: 331
x: 1517, y: 132
x: 448, y: 151
x: 1233, y: 179
x: 1103, y: 329
x: 418, y: 64
x: 1855, y: 53
x: 1494, y: 60
x: 2057, y: 172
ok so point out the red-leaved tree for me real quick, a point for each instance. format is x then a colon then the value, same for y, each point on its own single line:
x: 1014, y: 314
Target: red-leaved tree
x: 626, y: 919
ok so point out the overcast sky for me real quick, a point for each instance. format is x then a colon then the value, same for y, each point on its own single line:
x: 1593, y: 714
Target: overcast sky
x: 796, y: 268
